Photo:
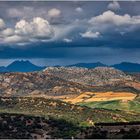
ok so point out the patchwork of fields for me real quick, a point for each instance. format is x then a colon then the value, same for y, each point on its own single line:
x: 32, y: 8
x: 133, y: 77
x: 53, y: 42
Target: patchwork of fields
x: 102, y: 96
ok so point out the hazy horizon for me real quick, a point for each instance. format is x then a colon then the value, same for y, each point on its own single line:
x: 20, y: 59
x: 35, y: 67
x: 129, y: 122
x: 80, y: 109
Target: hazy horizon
x: 47, y: 62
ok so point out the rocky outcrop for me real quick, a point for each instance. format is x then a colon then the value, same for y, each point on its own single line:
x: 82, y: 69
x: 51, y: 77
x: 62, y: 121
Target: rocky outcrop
x: 96, y: 77
x: 22, y: 84
x: 58, y: 81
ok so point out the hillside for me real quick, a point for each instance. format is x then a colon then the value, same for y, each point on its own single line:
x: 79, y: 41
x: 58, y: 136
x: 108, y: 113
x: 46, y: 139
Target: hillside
x: 89, y: 97
x: 17, y: 126
x: 40, y: 118
x: 68, y: 102
x: 57, y: 109
x: 37, y: 83
x: 129, y: 106
x: 20, y: 126
x: 67, y: 82
x: 96, y: 77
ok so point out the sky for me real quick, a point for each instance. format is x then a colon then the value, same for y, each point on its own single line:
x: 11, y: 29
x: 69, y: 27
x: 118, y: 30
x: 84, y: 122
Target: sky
x: 62, y: 33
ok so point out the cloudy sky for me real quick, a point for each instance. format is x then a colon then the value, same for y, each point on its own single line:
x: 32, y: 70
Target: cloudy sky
x: 61, y: 33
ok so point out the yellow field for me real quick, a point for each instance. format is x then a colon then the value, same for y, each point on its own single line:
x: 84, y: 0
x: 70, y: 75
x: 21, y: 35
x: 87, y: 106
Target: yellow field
x: 101, y: 96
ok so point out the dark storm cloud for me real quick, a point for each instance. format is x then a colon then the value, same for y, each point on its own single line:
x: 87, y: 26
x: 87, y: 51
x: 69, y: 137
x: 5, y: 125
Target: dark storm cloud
x: 73, y: 31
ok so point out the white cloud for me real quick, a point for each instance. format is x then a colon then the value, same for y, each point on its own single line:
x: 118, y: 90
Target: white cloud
x: 79, y: 9
x: 23, y: 27
x: 114, y: 5
x: 54, y: 13
x: 110, y: 17
x: 7, y: 32
x: 2, y: 24
x: 90, y: 34
x: 38, y: 29
x: 14, y: 39
x: 110, y: 22
x: 67, y: 40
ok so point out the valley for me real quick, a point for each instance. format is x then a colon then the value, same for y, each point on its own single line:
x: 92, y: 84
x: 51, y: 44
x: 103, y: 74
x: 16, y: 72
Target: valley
x: 78, y: 98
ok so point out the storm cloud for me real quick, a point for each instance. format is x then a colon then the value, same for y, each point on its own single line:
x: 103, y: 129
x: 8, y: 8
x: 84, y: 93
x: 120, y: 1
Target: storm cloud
x: 107, y: 31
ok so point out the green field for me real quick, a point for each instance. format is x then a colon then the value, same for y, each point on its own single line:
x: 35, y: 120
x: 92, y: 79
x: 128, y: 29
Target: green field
x: 132, y: 106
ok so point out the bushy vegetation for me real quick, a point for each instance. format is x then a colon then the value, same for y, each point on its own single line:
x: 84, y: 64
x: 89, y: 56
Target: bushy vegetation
x: 26, y: 126
x: 17, y: 126
x: 74, y: 114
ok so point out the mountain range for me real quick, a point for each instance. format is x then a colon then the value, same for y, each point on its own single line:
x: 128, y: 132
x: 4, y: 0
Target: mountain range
x: 21, y: 66
x: 66, y: 82
x: 127, y: 67
x: 88, y: 65
x: 38, y: 84
x: 96, y: 77
x: 124, y: 66
x: 27, y: 66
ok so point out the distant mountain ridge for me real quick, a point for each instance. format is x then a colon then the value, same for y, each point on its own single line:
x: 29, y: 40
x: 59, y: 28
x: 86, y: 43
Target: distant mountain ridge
x: 124, y: 66
x: 21, y: 66
x: 127, y: 67
x: 27, y: 66
x: 3, y: 69
x: 88, y: 65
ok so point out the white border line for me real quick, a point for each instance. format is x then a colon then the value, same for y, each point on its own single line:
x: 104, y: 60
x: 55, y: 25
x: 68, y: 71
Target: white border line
x: 68, y: 0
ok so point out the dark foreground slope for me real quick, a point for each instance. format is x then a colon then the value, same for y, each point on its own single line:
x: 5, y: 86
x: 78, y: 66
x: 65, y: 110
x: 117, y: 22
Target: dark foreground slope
x: 17, y: 126
x: 112, y: 131
x: 26, y: 117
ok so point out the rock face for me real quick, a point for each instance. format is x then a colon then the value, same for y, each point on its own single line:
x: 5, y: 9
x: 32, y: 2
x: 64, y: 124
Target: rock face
x: 96, y: 77
x: 21, y: 84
